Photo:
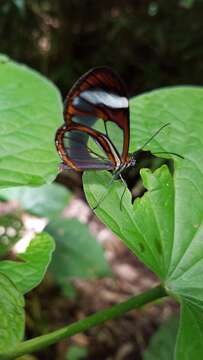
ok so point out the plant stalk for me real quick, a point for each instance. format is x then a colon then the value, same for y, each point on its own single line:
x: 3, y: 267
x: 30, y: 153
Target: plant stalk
x: 40, y: 342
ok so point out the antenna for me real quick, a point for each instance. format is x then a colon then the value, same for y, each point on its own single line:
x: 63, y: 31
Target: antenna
x: 169, y: 152
x: 159, y: 152
x: 152, y: 137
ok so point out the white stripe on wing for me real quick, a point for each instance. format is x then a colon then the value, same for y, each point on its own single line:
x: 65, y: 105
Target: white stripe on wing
x: 98, y: 96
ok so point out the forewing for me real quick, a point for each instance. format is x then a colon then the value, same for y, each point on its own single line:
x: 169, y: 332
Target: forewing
x: 99, y: 97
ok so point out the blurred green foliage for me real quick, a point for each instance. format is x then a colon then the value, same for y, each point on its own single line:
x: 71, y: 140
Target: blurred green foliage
x: 77, y: 253
x: 162, y: 343
x: 150, y: 43
x: 11, y: 228
x: 76, y: 353
x: 43, y: 201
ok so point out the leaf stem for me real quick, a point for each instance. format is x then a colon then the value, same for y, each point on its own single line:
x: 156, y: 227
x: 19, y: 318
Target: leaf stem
x: 115, y: 311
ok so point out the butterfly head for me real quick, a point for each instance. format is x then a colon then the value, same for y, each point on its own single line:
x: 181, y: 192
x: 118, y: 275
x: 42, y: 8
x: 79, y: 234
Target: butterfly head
x: 132, y: 162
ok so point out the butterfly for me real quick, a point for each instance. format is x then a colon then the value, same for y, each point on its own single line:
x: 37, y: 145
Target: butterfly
x: 98, y: 99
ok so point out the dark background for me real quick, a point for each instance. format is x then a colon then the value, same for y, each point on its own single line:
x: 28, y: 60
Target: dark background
x: 151, y: 44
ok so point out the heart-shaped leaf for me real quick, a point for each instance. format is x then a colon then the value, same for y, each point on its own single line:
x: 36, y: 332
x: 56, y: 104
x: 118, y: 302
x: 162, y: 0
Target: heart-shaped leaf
x: 29, y: 270
x: 11, y: 314
x: 165, y: 227
x: 30, y: 112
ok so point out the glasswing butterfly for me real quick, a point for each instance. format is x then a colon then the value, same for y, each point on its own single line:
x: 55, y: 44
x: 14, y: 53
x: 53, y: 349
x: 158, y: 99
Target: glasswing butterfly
x: 98, y: 99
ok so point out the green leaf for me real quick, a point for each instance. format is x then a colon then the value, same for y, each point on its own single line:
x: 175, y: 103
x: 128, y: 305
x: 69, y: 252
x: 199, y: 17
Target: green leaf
x: 164, y: 228
x: 46, y: 200
x: 29, y: 270
x: 77, y: 252
x: 30, y: 112
x: 11, y: 314
x: 162, y: 343
x: 139, y: 225
x: 189, y: 343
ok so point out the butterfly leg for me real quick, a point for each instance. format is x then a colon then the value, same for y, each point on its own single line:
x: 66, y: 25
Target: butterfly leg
x: 114, y: 177
x: 125, y: 187
x: 104, y: 194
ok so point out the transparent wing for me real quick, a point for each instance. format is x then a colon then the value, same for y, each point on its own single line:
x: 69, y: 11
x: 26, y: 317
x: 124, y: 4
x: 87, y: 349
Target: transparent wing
x: 99, y: 101
x: 81, y: 150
